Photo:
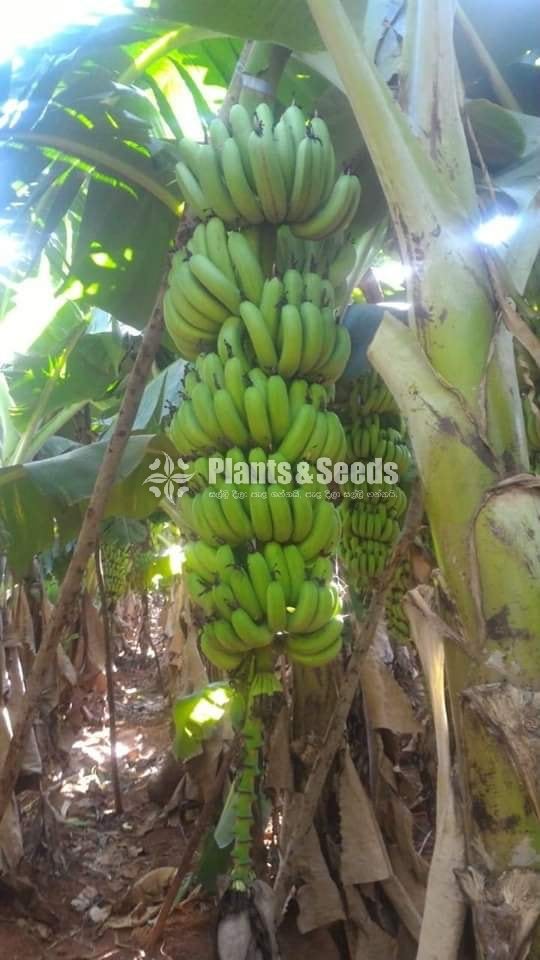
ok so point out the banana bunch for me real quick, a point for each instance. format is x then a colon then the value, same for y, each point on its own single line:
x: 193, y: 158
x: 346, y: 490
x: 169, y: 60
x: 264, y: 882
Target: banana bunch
x: 334, y: 258
x: 226, y: 406
x: 116, y: 561
x: 254, y: 170
x: 396, y: 621
x: 369, y: 395
x: 207, y: 282
x: 371, y: 513
x: 281, y: 594
x: 369, y: 531
x: 231, y: 515
x: 370, y: 439
x: 141, y: 562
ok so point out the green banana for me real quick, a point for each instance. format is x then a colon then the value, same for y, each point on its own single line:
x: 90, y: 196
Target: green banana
x: 253, y: 634
x: 298, y: 396
x: 296, y: 121
x: 257, y: 417
x: 217, y: 249
x: 219, y: 134
x: 324, y: 534
x: 338, y: 210
x: 261, y: 340
x: 280, y: 511
x: 212, y: 372
x: 312, y: 337
x: 286, y: 148
x: 247, y: 267
x: 215, y: 192
x: 293, y: 285
x: 275, y: 560
x: 270, y: 305
x: 305, y: 609
x: 236, y: 516
x: 245, y: 200
x: 302, y: 511
x: 194, y: 291
x: 290, y: 341
x: 269, y: 180
x: 260, y: 575
x: 216, y: 282
x: 191, y: 190
x: 301, y: 427
x: 230, y: 342
x: 319, y: 130
x: 203, y: 406
x: 227, y: 415
x: 278, y: 407
x: 245, y: 595
x: 234, y: 382
x: 318, y: 648
x: 242, y: 127
x: 259, y: 507
x: 297, y: 570
x: 276, y: 610
x: 216, y: 654
x: 302, y: 182
x: 315, y: 446
x: 197, y: 242
x: 332, y: 370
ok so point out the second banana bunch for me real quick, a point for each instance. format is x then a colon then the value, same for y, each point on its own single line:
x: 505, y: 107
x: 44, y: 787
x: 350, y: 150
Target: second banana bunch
x: 372, y: 514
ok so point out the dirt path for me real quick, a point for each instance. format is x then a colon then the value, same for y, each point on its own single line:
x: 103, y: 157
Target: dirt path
x: 98, y: 855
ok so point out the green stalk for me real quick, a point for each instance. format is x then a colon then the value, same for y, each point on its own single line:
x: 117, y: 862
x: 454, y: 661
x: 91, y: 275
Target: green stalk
x: 28, y: 438
x: 8, y: 434
x: 55, y: 424
x: 242, y: 874
x: 261, y: 75
x: 429, y: 91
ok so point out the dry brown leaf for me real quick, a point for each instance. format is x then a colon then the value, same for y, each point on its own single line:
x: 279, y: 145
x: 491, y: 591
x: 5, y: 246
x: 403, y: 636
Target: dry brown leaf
x: 402, y: 870
x: 403, y: 905
x: 65, y: 666
x: 386, y: 703
x: 318, y: 898
x: 31, y: 761
x: 444, y: 913
x: 363, y: 854
x: 404, y: 834
x: 149, y: 888
x: 372, y: 943
x: 11, y: 844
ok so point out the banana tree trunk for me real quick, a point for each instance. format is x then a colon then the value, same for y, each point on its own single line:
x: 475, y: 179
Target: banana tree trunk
x: 453, y: 374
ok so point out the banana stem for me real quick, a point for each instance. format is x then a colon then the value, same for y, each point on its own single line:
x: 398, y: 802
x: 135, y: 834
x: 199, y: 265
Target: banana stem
x: 263, y: 70
x: 245, y: 791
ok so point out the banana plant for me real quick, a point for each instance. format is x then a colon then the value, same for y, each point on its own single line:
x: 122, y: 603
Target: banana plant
x: 453, y: 373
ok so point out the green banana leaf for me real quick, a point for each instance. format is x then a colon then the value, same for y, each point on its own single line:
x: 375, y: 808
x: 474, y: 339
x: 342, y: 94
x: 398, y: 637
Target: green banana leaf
x: 196, y: 717
x: 43, y: 502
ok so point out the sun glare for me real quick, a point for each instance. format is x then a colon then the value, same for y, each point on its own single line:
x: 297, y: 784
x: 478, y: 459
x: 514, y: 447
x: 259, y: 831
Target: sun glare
x: 30, y: 21
x: 497, y: 230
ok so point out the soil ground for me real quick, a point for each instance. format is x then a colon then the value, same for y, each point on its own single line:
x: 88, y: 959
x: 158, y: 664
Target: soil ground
x: 88, y: 858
